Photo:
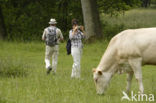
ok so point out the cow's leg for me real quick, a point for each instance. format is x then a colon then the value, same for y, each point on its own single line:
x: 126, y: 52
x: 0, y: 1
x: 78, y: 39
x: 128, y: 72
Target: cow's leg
x: 129, y: 81
x: 136, y: 66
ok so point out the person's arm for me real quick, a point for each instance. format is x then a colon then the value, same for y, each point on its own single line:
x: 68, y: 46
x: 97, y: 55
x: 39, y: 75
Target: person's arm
x: 82, y: 31
x: 44, y: 35
x: 74, y: 30
x: 60, y: 35
x: 71, y: 35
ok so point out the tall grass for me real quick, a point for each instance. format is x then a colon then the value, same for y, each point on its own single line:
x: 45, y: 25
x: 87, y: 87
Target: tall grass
x: 135, y: 18
x: 12, y: 68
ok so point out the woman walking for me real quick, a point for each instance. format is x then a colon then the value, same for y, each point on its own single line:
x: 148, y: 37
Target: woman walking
x: 76, y: 35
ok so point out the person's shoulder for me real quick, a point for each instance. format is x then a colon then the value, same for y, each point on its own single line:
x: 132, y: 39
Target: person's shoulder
x: 71, y: 30
x: 58, y: 29
x: 46, y: 28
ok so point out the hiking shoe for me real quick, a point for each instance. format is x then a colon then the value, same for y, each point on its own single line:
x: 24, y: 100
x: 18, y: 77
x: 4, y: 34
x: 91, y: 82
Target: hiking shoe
x: 48, y: 70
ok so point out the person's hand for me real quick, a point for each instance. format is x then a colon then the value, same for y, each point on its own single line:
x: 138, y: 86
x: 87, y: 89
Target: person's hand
x: 82, y: 28
x: 75, y: 28
x: 43, y: 38
x: 61, y: 40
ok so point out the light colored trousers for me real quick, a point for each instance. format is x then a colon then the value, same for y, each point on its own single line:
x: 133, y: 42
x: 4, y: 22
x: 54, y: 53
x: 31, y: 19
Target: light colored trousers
x: 51, y: 52
x: 76, y: 68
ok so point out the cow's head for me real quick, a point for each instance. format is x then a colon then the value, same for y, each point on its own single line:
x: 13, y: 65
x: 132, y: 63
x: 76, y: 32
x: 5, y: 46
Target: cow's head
x: 101, y: 80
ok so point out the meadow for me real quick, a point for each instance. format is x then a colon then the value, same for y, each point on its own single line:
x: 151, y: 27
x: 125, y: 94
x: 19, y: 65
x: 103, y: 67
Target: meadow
x: 135, y: 18
x: 23, y: 76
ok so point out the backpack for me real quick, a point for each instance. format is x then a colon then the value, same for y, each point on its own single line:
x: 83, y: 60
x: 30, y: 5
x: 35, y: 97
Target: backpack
x: 68, y: 47
x: 51, y: 39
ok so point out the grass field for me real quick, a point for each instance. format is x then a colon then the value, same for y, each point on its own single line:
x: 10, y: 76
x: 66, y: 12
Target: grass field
x: 135, y: 18
x: 23, y: 77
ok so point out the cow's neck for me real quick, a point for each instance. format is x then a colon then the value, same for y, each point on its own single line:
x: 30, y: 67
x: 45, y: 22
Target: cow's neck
x: 108, y: 62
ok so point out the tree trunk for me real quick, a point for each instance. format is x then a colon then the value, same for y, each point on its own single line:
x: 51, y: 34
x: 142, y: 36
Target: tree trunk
x: 146, y: 3
x: 91, y: 18
x: 3, y: 33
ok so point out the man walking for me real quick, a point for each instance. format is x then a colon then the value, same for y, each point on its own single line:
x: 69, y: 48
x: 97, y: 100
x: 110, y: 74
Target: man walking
x: 52, y: 35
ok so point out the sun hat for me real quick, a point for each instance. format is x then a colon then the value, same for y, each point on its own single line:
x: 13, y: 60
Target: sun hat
x: 52, y: 21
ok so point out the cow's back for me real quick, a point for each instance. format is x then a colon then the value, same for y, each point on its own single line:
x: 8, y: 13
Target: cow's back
x: 136, y: 43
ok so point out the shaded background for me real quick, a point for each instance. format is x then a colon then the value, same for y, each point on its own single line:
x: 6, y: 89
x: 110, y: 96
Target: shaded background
x: 25, y: 20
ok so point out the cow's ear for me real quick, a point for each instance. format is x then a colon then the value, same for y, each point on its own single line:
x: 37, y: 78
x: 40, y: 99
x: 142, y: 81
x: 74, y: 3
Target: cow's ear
x: 94, y: 70
x: 100, y: 72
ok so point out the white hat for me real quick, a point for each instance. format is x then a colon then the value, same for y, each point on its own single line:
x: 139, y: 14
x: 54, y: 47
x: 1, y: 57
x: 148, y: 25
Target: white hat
x: 52, y: 21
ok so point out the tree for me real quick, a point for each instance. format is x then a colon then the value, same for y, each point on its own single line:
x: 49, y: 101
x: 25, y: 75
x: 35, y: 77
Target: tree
x: 91, y: 18
x: 26, y: 19
x: 116, y: 7
x: 68, y: 9
x: 146, y: 3
x: 3, y: 33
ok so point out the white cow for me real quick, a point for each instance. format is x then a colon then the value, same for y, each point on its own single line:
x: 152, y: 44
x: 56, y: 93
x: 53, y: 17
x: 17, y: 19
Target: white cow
x: 127, y: 51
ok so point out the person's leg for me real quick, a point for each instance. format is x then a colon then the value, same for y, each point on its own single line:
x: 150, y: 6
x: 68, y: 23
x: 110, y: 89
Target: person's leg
x: 73, y: 66
x: 76, y: 62
x: 79, y: 60
x: 48, y: 55
x: 55, y: 58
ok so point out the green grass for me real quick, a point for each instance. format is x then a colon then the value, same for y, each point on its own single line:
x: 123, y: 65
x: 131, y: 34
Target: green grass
x: 23, y: 76
x: 27, y: 81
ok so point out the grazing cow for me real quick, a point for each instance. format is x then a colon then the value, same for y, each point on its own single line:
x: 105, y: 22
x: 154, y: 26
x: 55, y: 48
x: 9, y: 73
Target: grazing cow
x: 127, y: 52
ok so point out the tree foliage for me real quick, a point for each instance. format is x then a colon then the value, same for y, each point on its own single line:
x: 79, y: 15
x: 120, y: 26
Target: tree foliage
x: 26, y: 19
x: 114, y: 7
x: 3, y: 33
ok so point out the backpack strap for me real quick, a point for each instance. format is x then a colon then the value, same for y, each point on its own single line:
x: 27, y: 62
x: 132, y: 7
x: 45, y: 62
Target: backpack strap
x: 55, y: 30
x: 55, y: 33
